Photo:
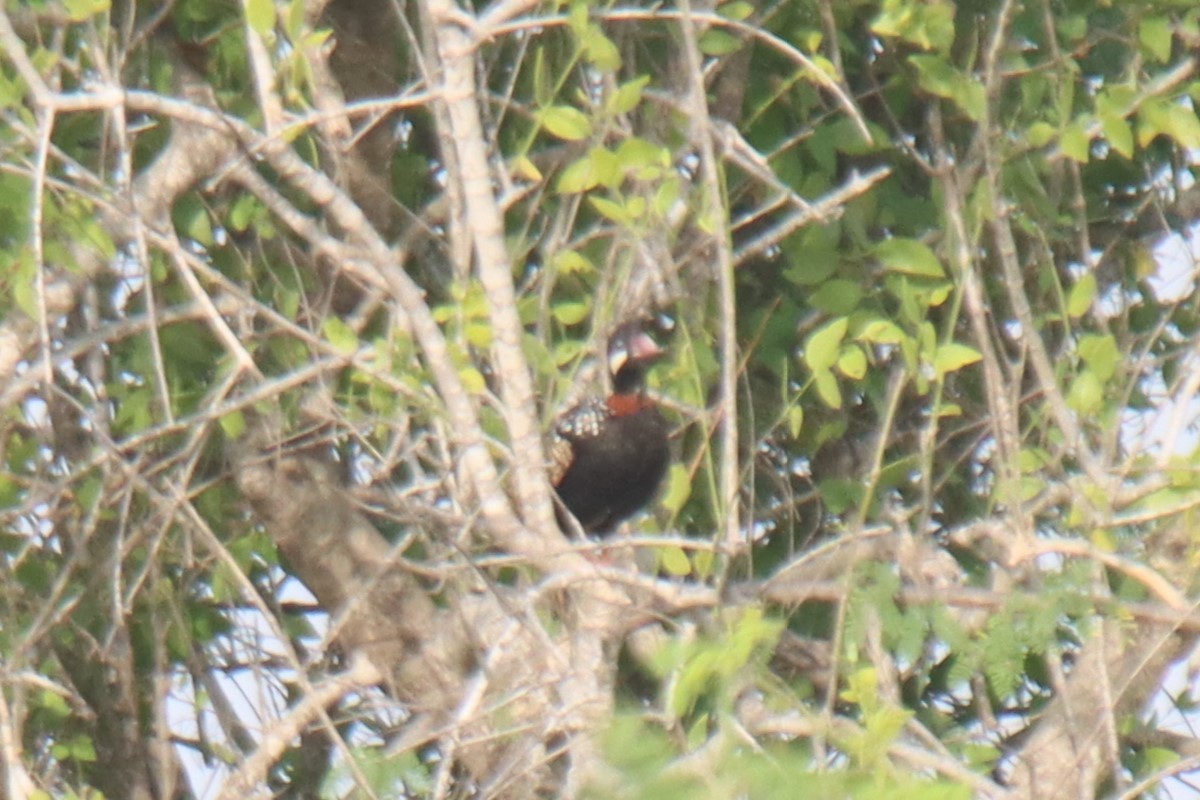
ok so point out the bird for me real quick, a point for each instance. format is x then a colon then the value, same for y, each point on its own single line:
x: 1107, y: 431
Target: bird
x: 609, y: 454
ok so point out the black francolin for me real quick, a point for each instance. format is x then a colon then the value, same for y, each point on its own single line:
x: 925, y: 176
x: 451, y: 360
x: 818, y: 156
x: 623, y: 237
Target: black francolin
x: 610, y: 454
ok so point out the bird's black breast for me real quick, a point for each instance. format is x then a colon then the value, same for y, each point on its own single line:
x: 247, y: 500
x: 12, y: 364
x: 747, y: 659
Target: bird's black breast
x: 616, y: 470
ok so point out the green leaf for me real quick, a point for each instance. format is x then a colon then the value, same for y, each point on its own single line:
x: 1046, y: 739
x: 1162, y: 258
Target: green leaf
x: 1101, y: 354
x: 954, y: 356
x: 1031, y: 460
x: 929, y: 26
x: 80, y: 10
x: 478, y: 333
x: 1151, y: 121
x: 909, y: 257
x: 543, y: 88
x: 694, y: 679
x: 1117, y: 99
x: 814, y: 255
x: 613, y: 210
x: 606, y: 167
x: 821, y: 349
x: 1072, y: 27
x: 675, y: 561
x: 600, y: 51
x: 1159, y: 758
x: 12, y: 90
x: 936, y: 295
x: 1086, y: 395
x: 863, y: 689
x: 83, y: 749
x: 23, y: 281
x: 79, y: 748
x: 667, y: 195
x: 577, y: 177
x: 10, y: 491
x: 472, y: 380
x: 1003, y: 655
x: 1040, y: 134
x: 571, y: 312
x: 927, y: 337
x: 837, y: 297
x: 892, y: 20
x: 566, y: 351
x: 577, y: 17
x: 938, y: 77
x: 233, y: 424
x: 523, y: 167
x: 52, y: 703
x: 243, y: 211
x: 294, y: 26
x: 1154, y: 35
x: 1183, y: 125
x: 827, y: 388
x: 679, y: 489
x: 1074, y: 142
x: 644, y: 158
x: 340, y: 335
x: 570, y: 262
x: 912, y: 308
x: 949, y: 410
x: 717, y: 42
x: 627, y: 96
x: 195, y: 223
x: 1082, y: 295
x: 315, y: 39
x: 636, y: 746
x: 636, y: 206
x: 795, y: 420
x: 880, y: 331
x: 1158, y: 115
x: 567, y: 123
x: 737, y: 10
x: 852, y: 362
x: 882, y: 729
x: 1118, y: 133
x: 260, y: 16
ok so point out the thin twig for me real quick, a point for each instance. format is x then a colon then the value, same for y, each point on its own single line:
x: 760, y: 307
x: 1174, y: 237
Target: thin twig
x: 495, y: 270
x: 823, y: 208
x: 220, y: 328
x: 282, y: 733
x: 17, y: 783
x: 45, y: 128
x: 711, y: 19
x: 716, y: 220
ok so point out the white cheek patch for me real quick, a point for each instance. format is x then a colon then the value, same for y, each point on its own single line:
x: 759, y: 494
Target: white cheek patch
x: 616, y: 360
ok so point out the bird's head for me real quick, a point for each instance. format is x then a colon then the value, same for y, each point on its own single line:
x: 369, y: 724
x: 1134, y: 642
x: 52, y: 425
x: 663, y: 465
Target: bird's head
x: 630, y: 351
